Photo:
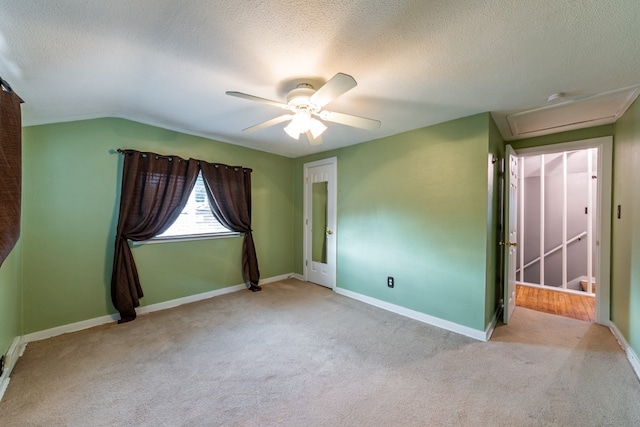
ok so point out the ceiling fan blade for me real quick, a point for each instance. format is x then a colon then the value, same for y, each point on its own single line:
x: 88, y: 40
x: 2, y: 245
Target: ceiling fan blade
x: 349, y: 120
x: 339, y: 84
x: 257, y: 98
x: 268, y: 123
x: 312, y: 140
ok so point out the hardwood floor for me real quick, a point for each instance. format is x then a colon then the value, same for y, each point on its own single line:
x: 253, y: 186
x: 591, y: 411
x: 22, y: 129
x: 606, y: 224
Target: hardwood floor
x: 555, y: 302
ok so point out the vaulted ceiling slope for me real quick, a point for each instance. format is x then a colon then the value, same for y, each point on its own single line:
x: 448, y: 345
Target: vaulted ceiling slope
x: 417, y: 62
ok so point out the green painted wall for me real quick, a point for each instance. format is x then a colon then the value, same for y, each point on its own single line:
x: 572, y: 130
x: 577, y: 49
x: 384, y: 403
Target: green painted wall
x: 414, y: 206
x: 625, y: 248
x: 71, y: 196
x: 10, y: 299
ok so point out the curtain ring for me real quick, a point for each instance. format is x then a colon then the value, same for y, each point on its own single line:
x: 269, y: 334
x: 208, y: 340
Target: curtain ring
x: 6, y: 86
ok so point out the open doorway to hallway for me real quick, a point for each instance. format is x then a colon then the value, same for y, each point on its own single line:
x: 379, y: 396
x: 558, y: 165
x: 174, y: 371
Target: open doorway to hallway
x: 556, y: 251
x: 564, y: 215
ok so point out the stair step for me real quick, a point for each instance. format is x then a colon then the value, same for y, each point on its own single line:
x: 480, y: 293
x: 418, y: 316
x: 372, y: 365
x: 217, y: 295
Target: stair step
x: 583, y: 283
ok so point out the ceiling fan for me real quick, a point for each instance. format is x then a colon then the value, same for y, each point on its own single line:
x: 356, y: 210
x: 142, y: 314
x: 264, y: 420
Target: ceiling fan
x: 305, y: 105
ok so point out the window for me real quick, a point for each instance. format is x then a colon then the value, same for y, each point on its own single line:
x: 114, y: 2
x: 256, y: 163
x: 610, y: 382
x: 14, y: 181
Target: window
x: 196, y: 220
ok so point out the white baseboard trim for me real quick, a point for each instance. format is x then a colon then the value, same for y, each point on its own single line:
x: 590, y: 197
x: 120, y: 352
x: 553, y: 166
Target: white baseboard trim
x: 416, y: 315
x: 4, y: 383
x: 492, y: 326
x: 297, y: 276
x: 186, y: 300
x: 278, y: 278
x: 631, y: 355
x: 15, y: 351
x: 97, y: 321
x: 72, y: 327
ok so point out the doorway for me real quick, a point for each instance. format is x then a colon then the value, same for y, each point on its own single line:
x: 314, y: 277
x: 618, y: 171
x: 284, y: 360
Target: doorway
x: 320, y: 214
x: 564, y: 224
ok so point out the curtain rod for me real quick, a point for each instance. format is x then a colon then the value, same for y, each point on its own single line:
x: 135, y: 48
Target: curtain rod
x: 129, y: 150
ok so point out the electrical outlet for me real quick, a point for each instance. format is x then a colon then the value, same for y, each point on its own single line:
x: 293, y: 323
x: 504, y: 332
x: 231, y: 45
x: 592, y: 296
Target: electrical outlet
x: 390, y: 282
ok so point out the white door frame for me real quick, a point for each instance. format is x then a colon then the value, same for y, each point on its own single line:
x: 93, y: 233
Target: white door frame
x: 332, y: 226
x: 604, y: 145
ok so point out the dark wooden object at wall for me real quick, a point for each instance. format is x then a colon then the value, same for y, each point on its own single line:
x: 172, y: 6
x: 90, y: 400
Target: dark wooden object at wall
x: 10, y: 169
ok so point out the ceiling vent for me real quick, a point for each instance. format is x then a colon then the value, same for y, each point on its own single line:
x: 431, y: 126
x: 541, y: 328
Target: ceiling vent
x: 594, y: 110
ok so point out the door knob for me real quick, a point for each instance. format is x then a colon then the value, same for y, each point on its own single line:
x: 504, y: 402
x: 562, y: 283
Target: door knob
x: 329, y: 232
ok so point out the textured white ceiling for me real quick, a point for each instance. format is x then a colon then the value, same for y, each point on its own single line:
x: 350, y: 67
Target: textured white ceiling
x: 417, y: 62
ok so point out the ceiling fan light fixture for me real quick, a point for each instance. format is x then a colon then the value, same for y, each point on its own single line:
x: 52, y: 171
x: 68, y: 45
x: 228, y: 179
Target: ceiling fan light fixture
x: 292, y: 130
x: 316, y: 127
x: 306, y: 103
x: 302, y: 122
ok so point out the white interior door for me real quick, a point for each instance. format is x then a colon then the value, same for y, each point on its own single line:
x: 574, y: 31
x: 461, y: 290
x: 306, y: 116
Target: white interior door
x: 511, y: 232
x: 320, y: 222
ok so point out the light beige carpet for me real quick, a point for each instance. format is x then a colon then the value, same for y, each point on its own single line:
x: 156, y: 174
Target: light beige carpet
x: 297, y: 354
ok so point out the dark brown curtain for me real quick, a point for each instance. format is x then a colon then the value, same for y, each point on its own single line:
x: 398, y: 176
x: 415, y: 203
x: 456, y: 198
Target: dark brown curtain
x: 155, y: 189
x: 10, y: 168
x: 229, y: 191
